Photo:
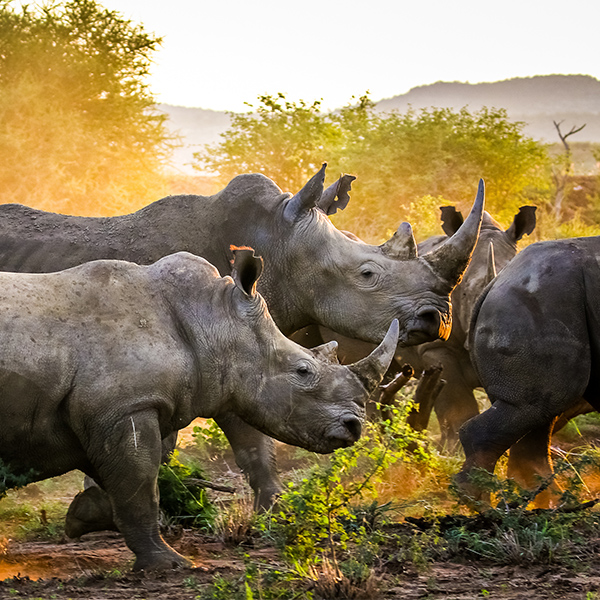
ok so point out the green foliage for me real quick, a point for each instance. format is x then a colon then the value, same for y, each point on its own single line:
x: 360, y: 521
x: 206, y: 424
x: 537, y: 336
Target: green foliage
x: 10, y: 480
x: 443, y: 153
x: 284, y: 140
x: 402, y: 160
x: 510, y: 533
x: 182, y: 498
x: 210, y: 435
x: 324, y: 512
x: 261, y: 581
x: 78, y: 129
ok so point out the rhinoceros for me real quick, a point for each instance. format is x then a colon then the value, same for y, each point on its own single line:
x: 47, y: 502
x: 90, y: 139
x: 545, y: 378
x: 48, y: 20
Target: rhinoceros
x: 99, y: 363
x: 313, y: 272
x: 535, y: 345
x: 456, y: 402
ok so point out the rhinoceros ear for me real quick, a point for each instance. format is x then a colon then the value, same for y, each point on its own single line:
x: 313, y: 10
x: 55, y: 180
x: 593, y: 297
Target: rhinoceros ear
x: 246, y: 269
x: 452, y: 219
x: 306, y: 198
x: 402, y: 244
x: 523, y: 223
x: 326, y: 352
x: 336, y: 196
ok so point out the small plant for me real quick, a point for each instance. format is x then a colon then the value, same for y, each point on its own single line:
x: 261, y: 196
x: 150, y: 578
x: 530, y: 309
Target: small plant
x: 236, y: 522
x: 183, y: 500
x: 351, y: 581
x: 10, y: 480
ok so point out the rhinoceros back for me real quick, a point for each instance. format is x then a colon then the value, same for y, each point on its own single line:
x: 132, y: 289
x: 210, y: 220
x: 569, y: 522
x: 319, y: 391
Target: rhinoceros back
x: 36, y: 241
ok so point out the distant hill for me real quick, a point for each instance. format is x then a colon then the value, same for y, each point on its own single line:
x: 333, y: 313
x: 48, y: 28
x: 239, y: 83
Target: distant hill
x: 538, y: 101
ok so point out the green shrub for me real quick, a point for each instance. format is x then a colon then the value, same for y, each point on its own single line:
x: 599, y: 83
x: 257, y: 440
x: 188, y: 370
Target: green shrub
x: 183, y: 500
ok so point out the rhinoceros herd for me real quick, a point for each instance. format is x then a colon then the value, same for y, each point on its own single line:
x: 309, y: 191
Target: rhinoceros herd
x: 117, y: 332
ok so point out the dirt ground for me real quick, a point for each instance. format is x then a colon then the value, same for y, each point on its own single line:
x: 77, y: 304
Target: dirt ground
x: 99, y: 567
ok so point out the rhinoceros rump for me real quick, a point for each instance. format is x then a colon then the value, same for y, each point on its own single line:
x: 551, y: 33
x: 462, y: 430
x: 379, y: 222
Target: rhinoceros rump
x: 101, y: 362
x: 313, y: 272
x: 535, y: 344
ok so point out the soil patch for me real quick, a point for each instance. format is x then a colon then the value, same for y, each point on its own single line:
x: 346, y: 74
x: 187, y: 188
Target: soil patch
x: 98, y: 567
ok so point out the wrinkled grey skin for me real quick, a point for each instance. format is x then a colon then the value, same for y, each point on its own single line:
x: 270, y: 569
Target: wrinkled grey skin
x: 535, y: 345
x: 456, y: 402
x: 313, y: 272
x: 100, y: 363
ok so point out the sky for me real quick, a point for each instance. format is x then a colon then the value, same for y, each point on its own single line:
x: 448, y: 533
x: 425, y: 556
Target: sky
x: 220, y: 54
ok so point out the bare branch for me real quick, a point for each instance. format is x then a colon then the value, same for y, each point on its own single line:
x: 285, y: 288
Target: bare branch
x: 563, y: 136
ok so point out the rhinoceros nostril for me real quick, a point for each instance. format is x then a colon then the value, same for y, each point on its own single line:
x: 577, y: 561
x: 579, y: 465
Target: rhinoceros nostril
x: 353, y: 425
x: 430, y: 318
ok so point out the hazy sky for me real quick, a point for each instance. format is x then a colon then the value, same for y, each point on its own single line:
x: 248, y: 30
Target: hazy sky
x: 221, y: 53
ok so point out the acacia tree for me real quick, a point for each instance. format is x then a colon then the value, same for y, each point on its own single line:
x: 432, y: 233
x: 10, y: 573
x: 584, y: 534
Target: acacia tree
x: 406, y: 163
x: 287, y: 141
x: 440, y: 152
x: 78, y: 132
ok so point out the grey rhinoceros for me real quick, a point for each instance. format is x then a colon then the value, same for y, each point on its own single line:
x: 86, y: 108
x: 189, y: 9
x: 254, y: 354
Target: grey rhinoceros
x: 535, y: 345
x: 99, y: 363
x: 456, y: 402
x: 313, y: 272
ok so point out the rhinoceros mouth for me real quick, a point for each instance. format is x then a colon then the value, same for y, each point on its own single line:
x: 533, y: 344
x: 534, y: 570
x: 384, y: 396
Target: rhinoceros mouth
x: 426, y: 326
x: 340, y: 443
x: 416, y: 337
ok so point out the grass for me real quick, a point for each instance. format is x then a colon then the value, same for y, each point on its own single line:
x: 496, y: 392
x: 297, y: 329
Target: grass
x: 345, y: 533
x: 38, y: 509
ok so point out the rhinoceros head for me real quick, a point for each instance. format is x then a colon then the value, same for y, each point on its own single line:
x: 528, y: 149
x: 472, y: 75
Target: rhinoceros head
x: 494, y: 249
x: 316, y: 274
x: 298, y: 396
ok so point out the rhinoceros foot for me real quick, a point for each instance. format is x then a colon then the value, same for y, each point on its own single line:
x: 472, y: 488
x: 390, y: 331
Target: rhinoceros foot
x: 469, y: 493
x: 163, y: 559
x: 90, y: 511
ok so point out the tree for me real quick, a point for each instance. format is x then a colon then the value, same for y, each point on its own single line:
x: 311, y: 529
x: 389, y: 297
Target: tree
x: 443, y: 153
x: 287, y: 141
x: 405, y: 163
x: 562, y: 170
x: 78, y: 129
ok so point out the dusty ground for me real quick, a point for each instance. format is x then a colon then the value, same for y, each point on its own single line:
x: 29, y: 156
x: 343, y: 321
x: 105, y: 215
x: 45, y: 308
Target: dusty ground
x: 98, y: 567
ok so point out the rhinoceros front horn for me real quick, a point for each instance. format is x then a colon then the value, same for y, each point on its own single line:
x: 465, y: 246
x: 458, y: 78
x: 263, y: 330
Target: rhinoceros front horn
x: 370, y: 370
x: 450, y: 259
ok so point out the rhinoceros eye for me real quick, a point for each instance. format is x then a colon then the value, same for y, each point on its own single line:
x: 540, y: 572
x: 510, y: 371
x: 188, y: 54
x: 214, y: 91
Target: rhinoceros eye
x: 303, y: 371
x: 369, y: 276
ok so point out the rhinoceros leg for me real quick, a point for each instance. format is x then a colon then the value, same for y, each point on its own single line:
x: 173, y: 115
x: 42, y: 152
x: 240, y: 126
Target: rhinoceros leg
x: 91, y: 509
x: 255, y: 456
x: 529, y: 463
x: 127, y: 462
x: 487, y: 436
x: 456, y: 402
x: 455, y: 405
x: 529, y: 460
